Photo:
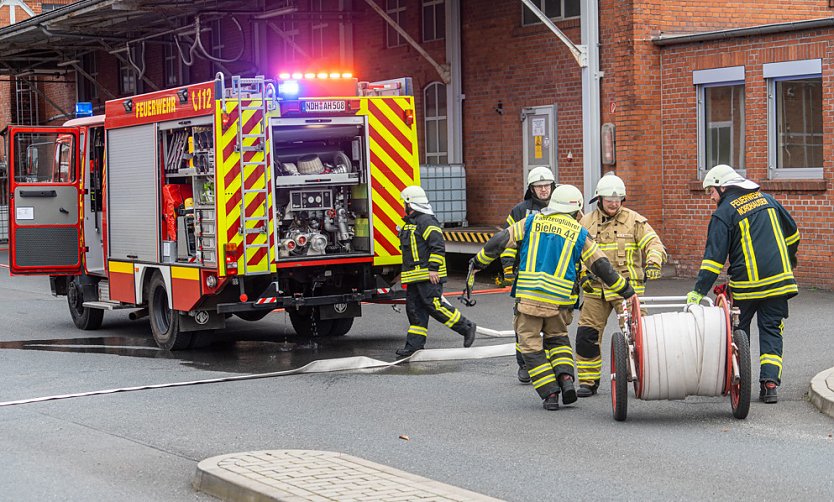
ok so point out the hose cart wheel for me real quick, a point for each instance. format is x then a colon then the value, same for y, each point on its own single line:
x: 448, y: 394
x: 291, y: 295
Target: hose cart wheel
x: 619, y: 377
x: 740, y: 390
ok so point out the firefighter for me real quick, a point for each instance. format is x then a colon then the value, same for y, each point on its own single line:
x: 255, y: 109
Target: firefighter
x: 630, y: 243
x: 424, y: 272
x: 540, y: 184
x: 551, y: 245
x: 761, y: 239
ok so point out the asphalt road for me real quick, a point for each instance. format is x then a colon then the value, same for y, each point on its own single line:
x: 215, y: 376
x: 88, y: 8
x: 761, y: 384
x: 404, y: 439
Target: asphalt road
x: 469, y: 423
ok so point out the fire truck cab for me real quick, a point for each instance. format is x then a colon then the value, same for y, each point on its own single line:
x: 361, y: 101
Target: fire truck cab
x: 219, y: 200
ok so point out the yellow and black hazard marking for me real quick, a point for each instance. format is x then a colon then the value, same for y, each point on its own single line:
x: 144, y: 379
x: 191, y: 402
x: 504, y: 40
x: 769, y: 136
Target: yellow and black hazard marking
x: 467, y: 236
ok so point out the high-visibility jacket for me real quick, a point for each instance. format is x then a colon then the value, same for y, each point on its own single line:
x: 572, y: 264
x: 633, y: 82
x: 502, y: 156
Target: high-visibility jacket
x: 423, y: 248
x: 551, y: 248
x: 530, y: 205
x: 630, y: 244
x: 761, y: 239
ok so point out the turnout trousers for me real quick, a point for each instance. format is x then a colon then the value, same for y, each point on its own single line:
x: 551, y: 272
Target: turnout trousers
x: 592, y: 321
x: 770, y: 315
x: 545, y: 347
x: 424, y: 299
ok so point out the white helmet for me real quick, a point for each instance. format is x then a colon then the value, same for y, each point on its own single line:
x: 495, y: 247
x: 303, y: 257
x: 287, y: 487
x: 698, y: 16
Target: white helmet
x: 539, y: 174
x: 609, y: 185
x: 566, y: 199
x: 723, y: 175
x: 414, y: 194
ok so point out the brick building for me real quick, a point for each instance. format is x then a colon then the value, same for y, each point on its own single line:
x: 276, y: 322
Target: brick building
x: 656, y: 58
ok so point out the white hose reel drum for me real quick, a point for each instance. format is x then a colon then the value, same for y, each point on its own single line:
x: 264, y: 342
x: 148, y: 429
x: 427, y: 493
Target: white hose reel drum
x: 672, y: 355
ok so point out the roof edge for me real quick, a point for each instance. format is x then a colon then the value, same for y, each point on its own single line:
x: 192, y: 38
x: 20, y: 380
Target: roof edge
x: 763, y: 29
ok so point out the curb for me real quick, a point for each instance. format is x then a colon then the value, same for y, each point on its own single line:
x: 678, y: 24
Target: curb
x: 821, y: 392
x: 303, y: 475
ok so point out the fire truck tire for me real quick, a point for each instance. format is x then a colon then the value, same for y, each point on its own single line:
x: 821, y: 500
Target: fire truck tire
x: 253, y: 315
x: 164, y: 319
x: 306, y: 326
x: 341, y: 326
x: 83, y: 317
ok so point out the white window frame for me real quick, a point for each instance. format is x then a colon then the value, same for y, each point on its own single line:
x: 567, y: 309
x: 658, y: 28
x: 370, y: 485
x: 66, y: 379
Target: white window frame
x: 90, y: 67
x: 540, y: 4
x: 433, y: 158
x: 716, y: 77
x: 175, y: 72
x: 128, y: 76
x: 436, y: 29
x: 395, y: 14
x: 783, y: 72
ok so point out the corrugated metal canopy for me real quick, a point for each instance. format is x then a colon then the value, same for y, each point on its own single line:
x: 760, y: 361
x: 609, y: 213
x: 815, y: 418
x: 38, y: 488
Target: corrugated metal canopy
x: 51, y: 41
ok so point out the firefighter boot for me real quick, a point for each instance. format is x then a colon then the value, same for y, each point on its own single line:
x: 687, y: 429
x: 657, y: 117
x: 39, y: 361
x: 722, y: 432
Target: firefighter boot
x: 587, y: 390
x: 767, y: 393
x: 523, y: 375
x: 551, y: 402
x: 469, y: 336
x: 568, y: 390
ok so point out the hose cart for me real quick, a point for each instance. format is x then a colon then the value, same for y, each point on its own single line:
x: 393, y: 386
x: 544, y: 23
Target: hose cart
x: 672, y: 355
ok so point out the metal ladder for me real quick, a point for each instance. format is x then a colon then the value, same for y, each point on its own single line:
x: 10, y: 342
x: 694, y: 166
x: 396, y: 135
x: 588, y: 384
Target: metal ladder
x: 253, y: 89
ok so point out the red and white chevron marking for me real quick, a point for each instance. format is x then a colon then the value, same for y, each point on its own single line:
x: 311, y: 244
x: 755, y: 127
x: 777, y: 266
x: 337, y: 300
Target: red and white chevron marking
x: 269, y: 299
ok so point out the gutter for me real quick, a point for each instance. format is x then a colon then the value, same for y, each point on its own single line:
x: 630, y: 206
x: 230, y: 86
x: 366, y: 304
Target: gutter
x: 765, y: 29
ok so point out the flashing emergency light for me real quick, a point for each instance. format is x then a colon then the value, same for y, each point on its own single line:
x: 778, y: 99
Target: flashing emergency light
x: 288, y: 89
x: 83, y: 109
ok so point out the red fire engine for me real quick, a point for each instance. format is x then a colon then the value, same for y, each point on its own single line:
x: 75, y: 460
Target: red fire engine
x: 195, y: 203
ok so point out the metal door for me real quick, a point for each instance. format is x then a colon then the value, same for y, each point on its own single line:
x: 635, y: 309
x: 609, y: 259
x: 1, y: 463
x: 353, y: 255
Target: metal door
x: 538, y: 124
x: 44, y: 187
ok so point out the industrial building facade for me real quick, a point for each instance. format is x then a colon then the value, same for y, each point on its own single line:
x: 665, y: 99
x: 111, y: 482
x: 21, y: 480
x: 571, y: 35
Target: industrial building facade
x: 683, y: 85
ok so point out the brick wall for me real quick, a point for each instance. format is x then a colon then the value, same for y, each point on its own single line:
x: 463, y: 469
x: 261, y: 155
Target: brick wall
x: 686, y: 208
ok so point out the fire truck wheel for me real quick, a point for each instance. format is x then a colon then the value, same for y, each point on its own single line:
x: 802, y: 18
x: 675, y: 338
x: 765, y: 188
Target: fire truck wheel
x: 253, y: 315
x: 341, y: 326
x: 83, y: 317
x: 164, y: 319
x: 305, y: 325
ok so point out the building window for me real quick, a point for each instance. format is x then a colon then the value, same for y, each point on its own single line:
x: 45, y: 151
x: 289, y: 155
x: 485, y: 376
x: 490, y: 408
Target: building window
x: 49, y: 7
x: 795, y: 133
x: 176, y: 72
x: 87, y: 89
x: 434, y: 20
x: 721, y: 117
x: 128, y: 78
x: 395, y: 10
x: 554, y: 9
x: 434, y: 102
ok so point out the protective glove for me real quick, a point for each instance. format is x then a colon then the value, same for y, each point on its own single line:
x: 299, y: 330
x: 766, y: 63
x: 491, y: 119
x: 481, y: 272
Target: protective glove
x: 653, y: 271
x: 694, y: 297
x: 586, y: 283
x: 628, y: 292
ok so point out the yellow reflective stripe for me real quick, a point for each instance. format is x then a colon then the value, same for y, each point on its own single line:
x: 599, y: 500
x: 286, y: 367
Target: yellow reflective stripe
x: 764, y: 282
x: 538, y: 370
x: 544, y: 276
x: 532, y: 251
x: 613, y: 246
x: 645, y: 240
x: 712, y: 266
x: 509, y: 253
x: 451, y: 317
x: 529, y: 295
x: 656, y: 253
x: 544, y: 381
x: 437, y: 258
x: 632, y: 272
x: 567, y: 361
x: 780, y: 241
x: 619, y: 285
x: 747, y: 249
x: 592, y: 249
x: 558, y: 350
x: 565, y: 259
x: 793, y: 239
x: 483, y: 258
x: 429, y: 230
x: 790, y: 288
x: 418, y: 330
x: 510, y: 220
